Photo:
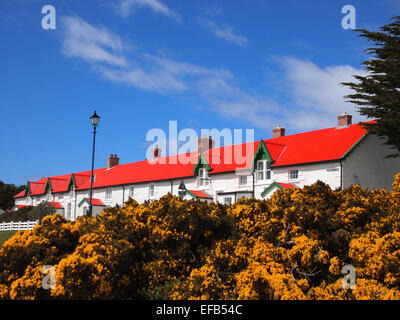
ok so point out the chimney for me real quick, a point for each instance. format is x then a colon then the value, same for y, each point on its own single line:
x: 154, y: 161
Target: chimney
x: 278, y: 132
x: 112, y: 161
x: 205, y: 143
x: 155, y: 152
x: 344, y: 120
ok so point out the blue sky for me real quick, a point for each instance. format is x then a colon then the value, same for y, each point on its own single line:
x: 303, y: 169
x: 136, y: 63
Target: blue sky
x: 142, y: 63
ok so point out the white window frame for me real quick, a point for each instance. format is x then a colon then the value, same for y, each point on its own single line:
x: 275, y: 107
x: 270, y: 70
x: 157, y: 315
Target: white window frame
x: 203, y: 179
x: 109, y: 194
x: 72, y: 192
x: 263, y: 172
x: 69, y: 210
x: 294, y: 174
x: 242, y: 181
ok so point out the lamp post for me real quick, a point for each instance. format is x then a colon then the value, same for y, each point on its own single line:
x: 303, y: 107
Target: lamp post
x: 94, y: 119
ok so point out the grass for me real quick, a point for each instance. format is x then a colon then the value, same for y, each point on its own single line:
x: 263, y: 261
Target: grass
x: 5, y: 235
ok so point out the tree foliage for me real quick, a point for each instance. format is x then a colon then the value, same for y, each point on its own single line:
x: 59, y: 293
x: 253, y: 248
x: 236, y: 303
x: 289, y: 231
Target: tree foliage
x: 29, y: 213
x: 292, y: 246
x: 7, y: 193
x: 378, y: 93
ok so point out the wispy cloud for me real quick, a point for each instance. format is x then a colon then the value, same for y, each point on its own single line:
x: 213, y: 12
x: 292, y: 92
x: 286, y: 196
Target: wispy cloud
x: 82, y: 40
x: 224, y: 32
x: 128, y: 7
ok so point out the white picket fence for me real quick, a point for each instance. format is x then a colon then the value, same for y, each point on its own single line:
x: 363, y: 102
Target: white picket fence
x: 19, y: 225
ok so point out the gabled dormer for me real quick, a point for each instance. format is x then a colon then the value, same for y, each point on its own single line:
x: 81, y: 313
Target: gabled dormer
x: 261, y: 163
x: 201, y: 170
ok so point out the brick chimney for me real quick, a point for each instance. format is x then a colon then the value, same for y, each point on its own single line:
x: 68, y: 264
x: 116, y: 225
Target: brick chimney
x: 205, y: 143
x: 344, y: 120
x: 278, y: 132
x: 112, y: 161
x: 155, y: 152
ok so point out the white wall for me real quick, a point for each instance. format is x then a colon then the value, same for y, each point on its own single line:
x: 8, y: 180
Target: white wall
x: 368, y: 163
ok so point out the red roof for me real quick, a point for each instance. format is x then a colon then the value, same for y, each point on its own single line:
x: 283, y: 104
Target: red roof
x: 286, y: 185
x: 56, y: 205
x: 20, y: 206
x: 200, y: 194
x: 308, y: 147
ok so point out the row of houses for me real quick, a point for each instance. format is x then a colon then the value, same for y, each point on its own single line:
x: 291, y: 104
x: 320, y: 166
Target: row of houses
x: 339, y: 156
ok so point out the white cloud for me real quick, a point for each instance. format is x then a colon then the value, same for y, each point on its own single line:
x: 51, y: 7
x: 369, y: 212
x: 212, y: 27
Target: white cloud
x: 224, y: 32
x: 316, y: 93
x: 127, y: 7
x: 312, y: 97
x: 81, y: 40
x: 157, y: 80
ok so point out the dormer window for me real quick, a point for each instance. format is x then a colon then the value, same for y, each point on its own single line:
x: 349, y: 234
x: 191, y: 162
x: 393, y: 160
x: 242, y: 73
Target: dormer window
x: 263, y: 170
x: 72, y: 192
x: 203, y: 179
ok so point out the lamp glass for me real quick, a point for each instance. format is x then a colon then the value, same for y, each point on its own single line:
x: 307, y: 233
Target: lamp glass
x: 95, y: 119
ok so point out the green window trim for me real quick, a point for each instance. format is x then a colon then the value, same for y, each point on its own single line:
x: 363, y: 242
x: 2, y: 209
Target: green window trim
x: 261, y: 153
x: 201, y: 163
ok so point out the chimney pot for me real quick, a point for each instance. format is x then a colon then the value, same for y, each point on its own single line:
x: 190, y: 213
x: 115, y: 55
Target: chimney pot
x: 205, y: 143
x: 155, y: 152
x: 112, y: 161
x: 344, y: 120
x: 278, y: 132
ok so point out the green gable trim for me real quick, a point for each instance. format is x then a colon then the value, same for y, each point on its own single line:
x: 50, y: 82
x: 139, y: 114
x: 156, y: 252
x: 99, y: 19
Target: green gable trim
x: 71, y: 182
x: 353, y: 146
x: 88, y: 202
x: 261, y: 153
x: 83, y: 201
x: 201, y: 163
x: 272, y: 185
x: 191, y: 194
x: 27, y: 189
x: 48, y: 185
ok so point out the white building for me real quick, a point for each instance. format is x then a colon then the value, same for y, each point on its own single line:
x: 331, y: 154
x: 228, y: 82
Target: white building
x: 339, y: 156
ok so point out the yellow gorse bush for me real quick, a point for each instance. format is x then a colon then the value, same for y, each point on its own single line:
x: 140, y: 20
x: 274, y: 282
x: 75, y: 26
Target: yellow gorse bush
x: 292, y: 246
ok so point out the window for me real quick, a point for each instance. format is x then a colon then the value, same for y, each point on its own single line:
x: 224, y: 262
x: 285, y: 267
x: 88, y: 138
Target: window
x: 203, y: 177
x: 294, y: 174
x: 68, y: 211
x: 132, y: 192
x: 242, y: 180
x: 85, y: 210
x: 60, y: 196
x: 151, y: 191
x: 228, y: 200
x: 263, y: 170
x: 72, y: 192
x: 108, y: 193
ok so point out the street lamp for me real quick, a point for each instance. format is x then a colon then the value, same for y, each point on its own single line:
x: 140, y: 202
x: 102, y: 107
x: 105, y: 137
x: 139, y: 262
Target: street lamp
x: 94, y: 119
